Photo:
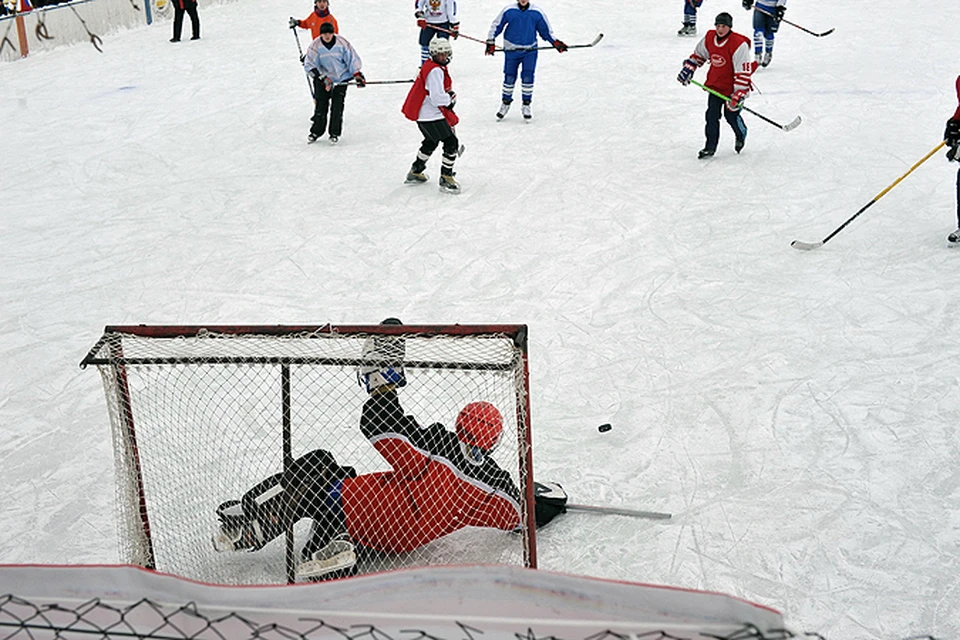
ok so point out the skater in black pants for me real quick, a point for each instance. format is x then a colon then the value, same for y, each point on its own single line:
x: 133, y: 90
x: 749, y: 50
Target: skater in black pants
x: 951, y: 136
x: 179, y: 8
x: 332, y: 62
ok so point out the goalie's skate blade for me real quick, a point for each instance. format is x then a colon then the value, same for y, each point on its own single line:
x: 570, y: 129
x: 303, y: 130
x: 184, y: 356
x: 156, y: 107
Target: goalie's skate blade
x: 793, y: 125
x: 805, y: 246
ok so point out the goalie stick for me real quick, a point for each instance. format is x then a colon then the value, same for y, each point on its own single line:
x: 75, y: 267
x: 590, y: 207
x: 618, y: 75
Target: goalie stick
x: 783, y: 127
x: 543, y: 48
x: 793, y: 24
x: 807, y: 246
x: 617, y: 511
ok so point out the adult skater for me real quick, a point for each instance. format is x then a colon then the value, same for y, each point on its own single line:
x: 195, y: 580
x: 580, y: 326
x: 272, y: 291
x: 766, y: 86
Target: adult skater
x: 330, y: 61
x: 729, y: 74
x: 520, y: 23
x: 430, y: 103
x: 766, y: 21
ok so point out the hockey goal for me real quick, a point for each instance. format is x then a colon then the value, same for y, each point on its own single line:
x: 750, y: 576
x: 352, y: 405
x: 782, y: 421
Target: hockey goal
x: 199, y: 415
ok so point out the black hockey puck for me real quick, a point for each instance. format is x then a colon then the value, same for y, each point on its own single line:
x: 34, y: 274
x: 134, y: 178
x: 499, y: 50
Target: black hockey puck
x: 604, y: 427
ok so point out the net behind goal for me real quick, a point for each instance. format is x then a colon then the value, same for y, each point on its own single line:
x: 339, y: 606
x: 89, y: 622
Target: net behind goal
x: 200, y: 416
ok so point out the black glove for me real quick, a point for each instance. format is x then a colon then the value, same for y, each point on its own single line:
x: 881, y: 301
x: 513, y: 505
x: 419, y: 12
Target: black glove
x: 294, y: 23
x: 780, y: 11
x: 491, y: 47
x: 748, y: 4
x: 302, y: 58
x: 361, y: 81
x: 551, y: 501
x: 453, y: 98
x: 315, y: 74
x: 951, y: 135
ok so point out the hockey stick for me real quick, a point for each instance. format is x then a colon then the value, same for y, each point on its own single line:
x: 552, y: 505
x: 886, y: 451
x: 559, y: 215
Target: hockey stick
x: 651, y: 515
x: 305, y: 74
x: 783, y: 127
x: 455, y: 34
x: 354, y: 82
x: 807, y: 246
x: 544, y: 48
x: 793, y: 24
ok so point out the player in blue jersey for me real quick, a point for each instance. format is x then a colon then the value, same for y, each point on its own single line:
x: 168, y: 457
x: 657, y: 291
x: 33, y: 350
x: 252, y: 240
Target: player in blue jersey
x: 330, y: 62
x: 766, y: 20
x: 689, y: 27
x: 520, y: 22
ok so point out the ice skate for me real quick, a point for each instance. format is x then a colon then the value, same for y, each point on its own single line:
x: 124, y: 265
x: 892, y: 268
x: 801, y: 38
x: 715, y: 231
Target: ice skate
x: 767, y: 58
x: 738, y: 145
x: 334, y: 140
x: 416, y: 177
x: 526, y: 111
x: 233, y: 524
x: 954, y: 238
x: 338, y: 559
x: 311, y: 138
x: 504, y: 109
x: 448, y: 184
x: 706, y: 153
x: 687, y: 30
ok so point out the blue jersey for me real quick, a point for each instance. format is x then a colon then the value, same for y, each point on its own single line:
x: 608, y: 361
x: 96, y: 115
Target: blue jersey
x: 521, y: 26
x: 338, y: 63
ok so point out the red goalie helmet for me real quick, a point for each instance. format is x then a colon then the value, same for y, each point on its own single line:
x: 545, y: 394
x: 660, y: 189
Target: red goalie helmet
x: 480, y: 425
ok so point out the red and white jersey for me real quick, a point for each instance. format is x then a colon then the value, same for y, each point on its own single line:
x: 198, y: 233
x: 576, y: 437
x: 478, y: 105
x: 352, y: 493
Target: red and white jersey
x: 432, y: 490
x: 731, y: 62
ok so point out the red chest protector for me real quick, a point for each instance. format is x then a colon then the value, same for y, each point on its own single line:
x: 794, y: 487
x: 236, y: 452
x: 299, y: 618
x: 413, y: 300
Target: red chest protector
x: 418, y: 92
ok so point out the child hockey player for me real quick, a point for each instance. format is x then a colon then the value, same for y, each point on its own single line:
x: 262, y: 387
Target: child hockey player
x: 330, y: 61
x: 319, y: 16
x: 689, y: 27
x: 433, y: 15
x: 951, y: 136
x: 729, y: 74
x: 441, y: 481
x: 430, y: 103
x: 520, y: 23
x: 766, y: 21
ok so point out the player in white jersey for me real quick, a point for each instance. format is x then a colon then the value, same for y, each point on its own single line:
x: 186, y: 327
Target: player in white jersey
x: 432, y: 16
x: 766, y: 20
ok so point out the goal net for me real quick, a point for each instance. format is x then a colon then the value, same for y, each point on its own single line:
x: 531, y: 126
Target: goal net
x: 200, y: 416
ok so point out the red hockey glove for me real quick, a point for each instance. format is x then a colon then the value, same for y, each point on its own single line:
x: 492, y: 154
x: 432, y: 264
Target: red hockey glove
x: 422, y: 23
x: 491, y: 47
x: 559, y: 45
x: 361, y: 81
x: 736, y: 100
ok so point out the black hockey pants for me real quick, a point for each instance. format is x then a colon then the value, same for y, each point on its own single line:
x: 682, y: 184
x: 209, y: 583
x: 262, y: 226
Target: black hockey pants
x: 715, y: 106
x: 331, y: 101
x: 434, y: 132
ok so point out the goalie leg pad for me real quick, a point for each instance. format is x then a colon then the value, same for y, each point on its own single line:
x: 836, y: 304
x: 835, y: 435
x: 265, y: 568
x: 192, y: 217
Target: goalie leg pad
x: 551, y: 501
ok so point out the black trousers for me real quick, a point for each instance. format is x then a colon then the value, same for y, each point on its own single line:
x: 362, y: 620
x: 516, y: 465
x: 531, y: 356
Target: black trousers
x: 189, y: 6
x: 734, y: 119
x: 328, y: 101
x: 436, y: 132
x: 958, y: 198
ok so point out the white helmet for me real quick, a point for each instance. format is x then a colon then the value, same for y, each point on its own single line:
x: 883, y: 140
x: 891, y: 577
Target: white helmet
x: 440, y: 45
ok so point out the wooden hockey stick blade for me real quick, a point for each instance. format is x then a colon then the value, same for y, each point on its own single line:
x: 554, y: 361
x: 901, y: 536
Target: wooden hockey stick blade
x: 651, y: 515
x: 805, y: 246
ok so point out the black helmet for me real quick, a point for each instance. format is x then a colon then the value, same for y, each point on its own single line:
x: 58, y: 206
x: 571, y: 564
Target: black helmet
x: 724, y: 18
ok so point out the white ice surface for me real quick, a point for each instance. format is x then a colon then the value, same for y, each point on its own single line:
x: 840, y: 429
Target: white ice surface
x: 797, y: 412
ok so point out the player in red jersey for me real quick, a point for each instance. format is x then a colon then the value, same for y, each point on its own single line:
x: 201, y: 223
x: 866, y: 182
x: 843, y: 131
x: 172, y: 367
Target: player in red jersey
x: 951, y: 136
x: 440, y: 481
x: 731, y: 67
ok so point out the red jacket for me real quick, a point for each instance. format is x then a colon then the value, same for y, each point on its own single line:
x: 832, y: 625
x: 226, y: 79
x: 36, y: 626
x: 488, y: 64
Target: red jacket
x: 731, y: 62
x: 433, y: 489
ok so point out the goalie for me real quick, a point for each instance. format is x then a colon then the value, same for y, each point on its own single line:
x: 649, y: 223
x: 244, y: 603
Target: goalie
x: 440, y: 481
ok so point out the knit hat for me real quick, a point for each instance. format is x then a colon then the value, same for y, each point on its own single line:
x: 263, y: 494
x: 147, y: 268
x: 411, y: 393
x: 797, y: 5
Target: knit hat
x: 326, y: 27
x: 724, y: 18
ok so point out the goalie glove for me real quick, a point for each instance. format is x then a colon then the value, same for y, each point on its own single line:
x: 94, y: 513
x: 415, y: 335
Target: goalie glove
x: 383, y: 361
x: 551, y: 501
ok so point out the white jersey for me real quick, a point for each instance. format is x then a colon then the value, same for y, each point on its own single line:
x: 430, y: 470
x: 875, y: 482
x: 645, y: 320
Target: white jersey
x: 436, y: 97
x: 770, y: 6
x: 438, y: 11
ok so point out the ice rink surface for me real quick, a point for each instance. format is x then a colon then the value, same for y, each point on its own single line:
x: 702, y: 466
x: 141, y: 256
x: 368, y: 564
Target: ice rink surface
x: 797, y: 412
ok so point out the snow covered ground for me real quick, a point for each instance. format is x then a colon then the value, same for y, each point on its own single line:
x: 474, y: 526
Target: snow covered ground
x: 797, y: 412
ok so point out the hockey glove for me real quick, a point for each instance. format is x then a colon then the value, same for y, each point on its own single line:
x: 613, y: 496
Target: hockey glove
x: 455, y: 28
x: 780, y: 11
x: 951, y: 135
x: 294, y: 23
x: 736, y: 100
x: 453, y: 98
x: 748, y: 4
x: 361, y: 81
x: 491, y: 47
x: 421, y: 23
x: 686, y: 74
x: 550, y: 501
x: 559, y: 45
x: 953, y: 154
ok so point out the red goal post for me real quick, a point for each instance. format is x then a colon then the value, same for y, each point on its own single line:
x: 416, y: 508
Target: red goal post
x: 200, y: 414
